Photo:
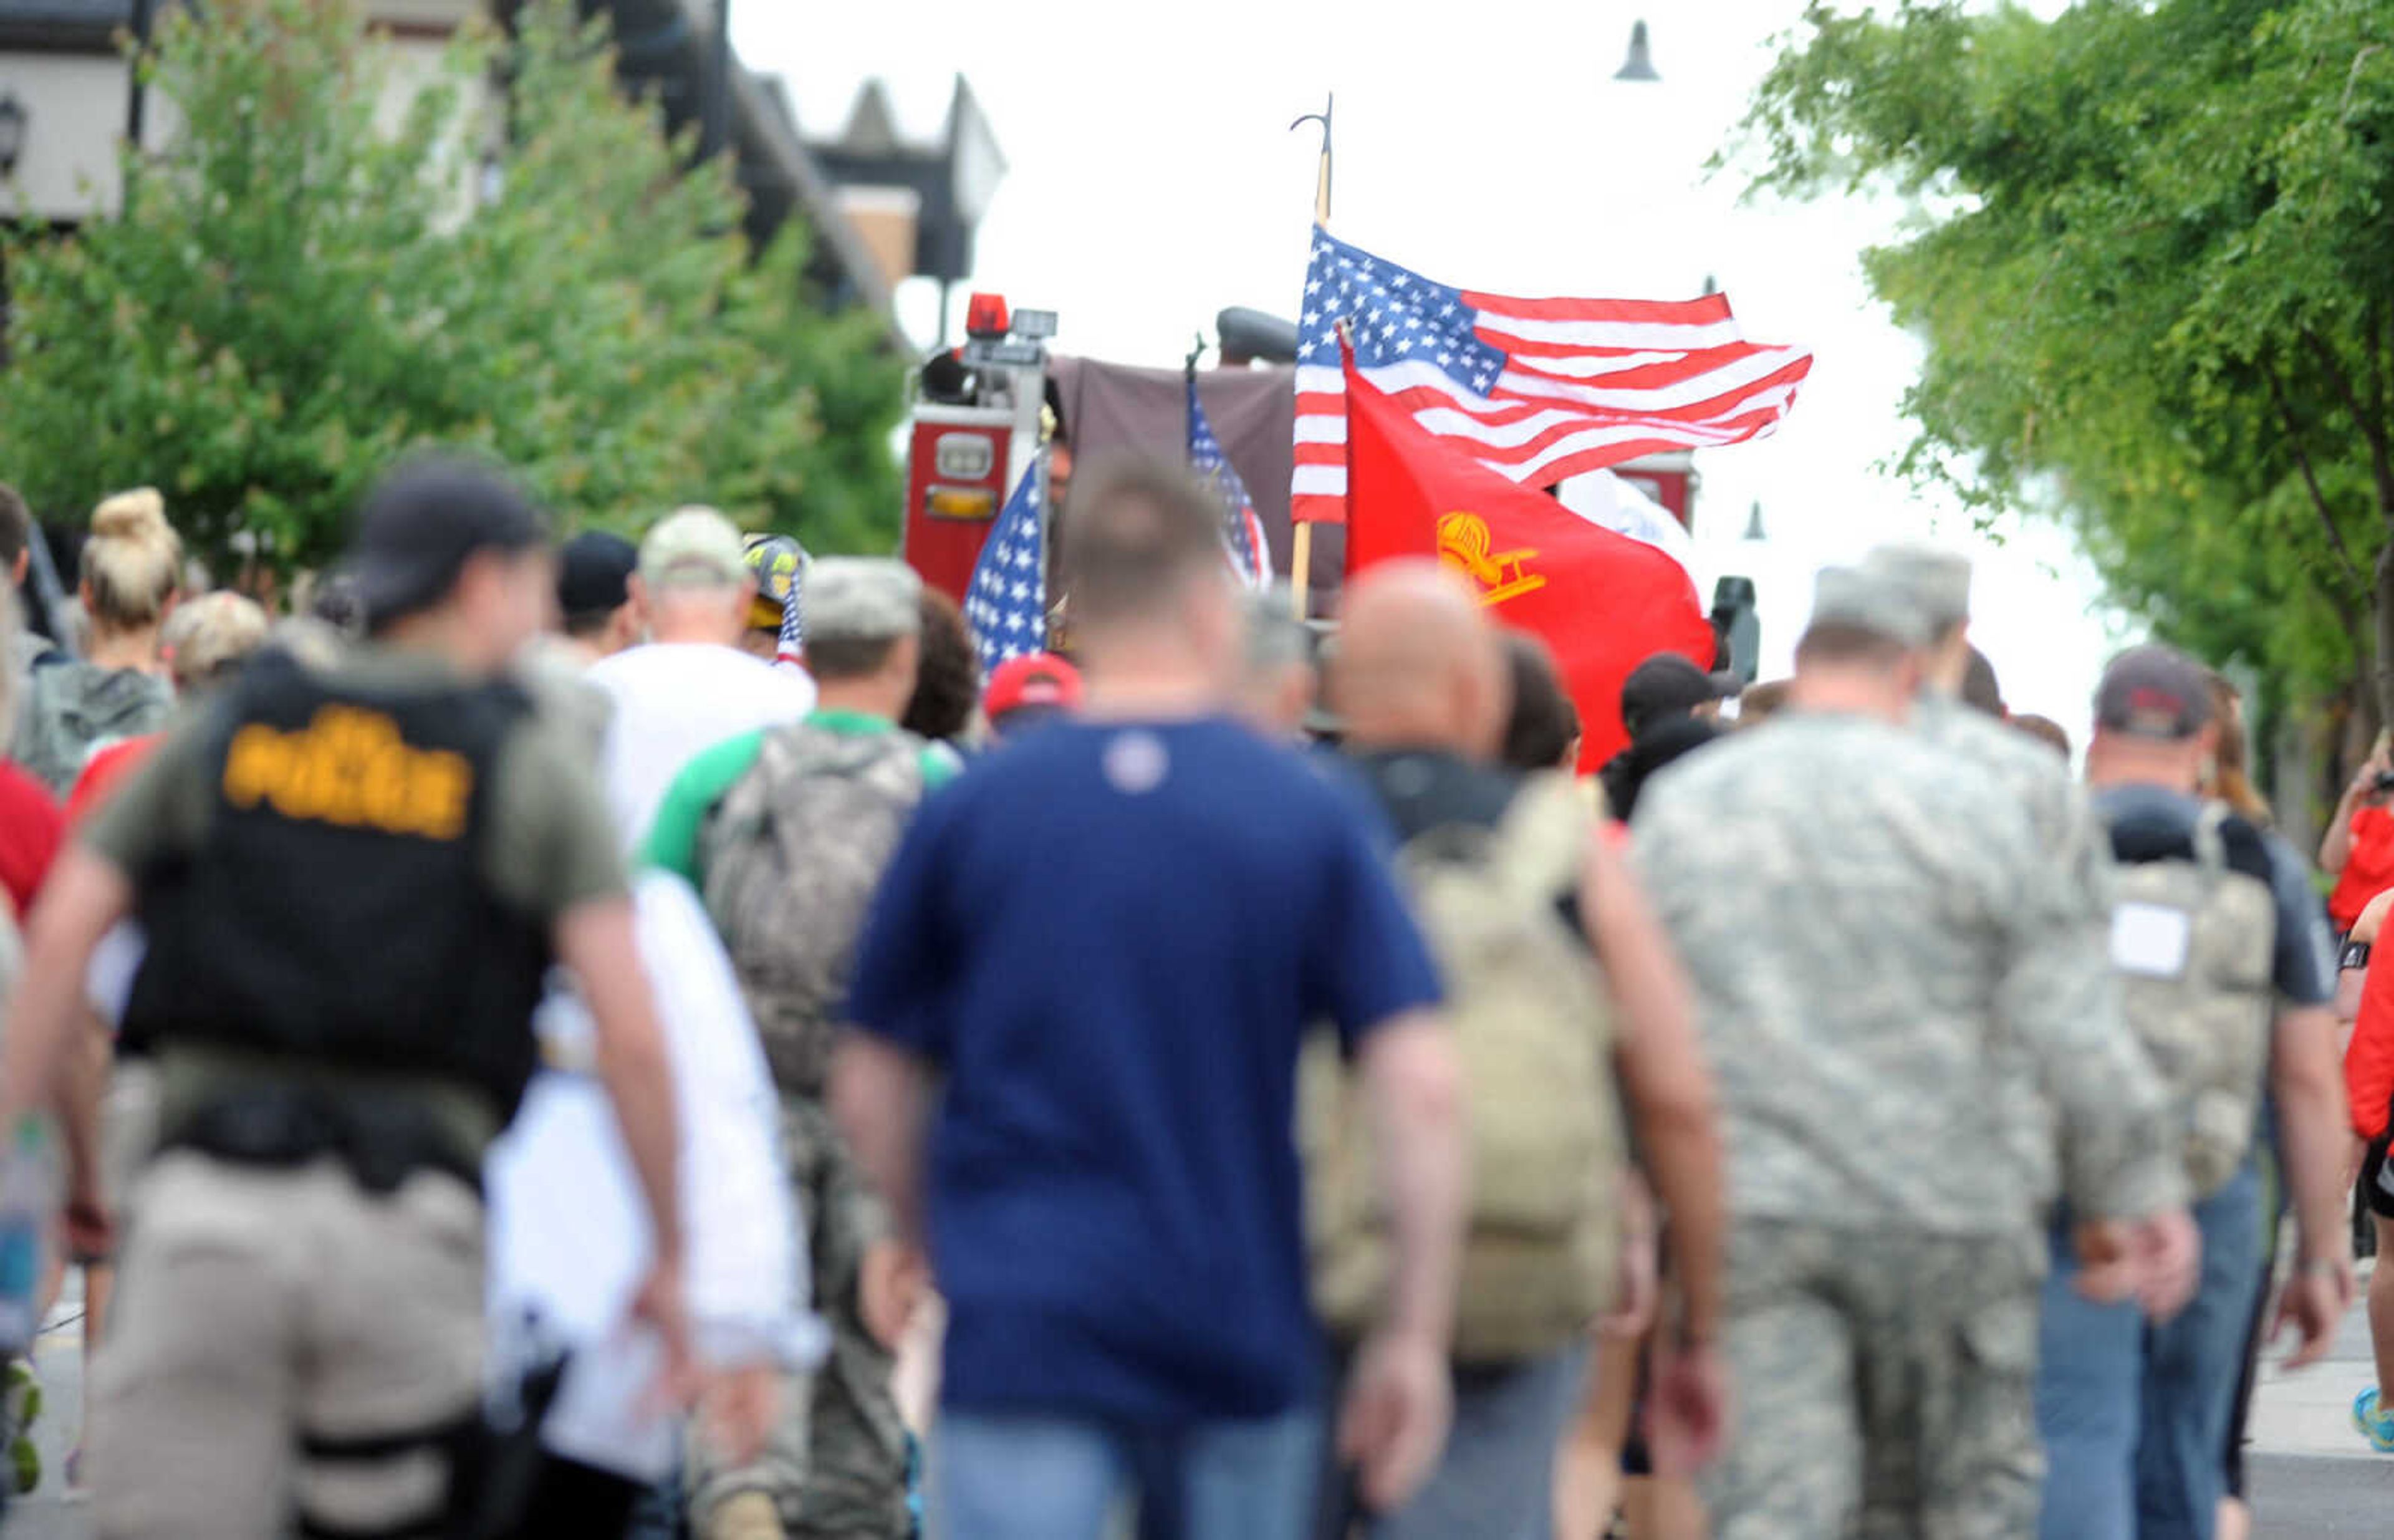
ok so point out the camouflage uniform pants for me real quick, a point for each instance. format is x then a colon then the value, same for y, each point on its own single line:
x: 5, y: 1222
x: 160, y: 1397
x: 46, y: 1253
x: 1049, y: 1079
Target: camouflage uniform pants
x: 835, y: 1465
x: 1885, y: 1387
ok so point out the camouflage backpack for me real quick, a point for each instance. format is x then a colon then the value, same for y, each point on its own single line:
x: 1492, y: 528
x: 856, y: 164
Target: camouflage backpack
x: 790, y: 857
x: 2192, y: 939
x: 1533, y: 1025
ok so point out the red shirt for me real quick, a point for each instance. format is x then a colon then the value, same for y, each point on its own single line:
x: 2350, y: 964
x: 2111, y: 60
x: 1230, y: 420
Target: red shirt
x: 2369, y: 1062
x: 30, y: 826
x: 2369, y: 871
x: 103, y: 770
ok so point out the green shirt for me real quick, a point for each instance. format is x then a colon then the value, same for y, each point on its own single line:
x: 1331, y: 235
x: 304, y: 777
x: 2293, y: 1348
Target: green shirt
x: 672, y: 842
x: 550, y: 845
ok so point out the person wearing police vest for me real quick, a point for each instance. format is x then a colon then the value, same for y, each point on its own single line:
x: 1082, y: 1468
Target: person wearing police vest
x: 2225, y: 974
x: 354, y: 879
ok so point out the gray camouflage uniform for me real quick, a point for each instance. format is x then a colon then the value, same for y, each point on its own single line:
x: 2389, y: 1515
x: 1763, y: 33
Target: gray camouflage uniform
x: 2123, y: 1167
x: 1870, y: 924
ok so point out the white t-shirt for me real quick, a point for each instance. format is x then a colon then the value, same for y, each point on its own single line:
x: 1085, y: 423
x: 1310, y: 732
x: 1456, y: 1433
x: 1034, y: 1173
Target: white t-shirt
x: 569, y: 1238
x: 675, y: 700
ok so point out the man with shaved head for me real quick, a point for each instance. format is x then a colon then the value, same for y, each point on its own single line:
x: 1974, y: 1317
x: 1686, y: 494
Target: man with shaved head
x: 1551, y: 958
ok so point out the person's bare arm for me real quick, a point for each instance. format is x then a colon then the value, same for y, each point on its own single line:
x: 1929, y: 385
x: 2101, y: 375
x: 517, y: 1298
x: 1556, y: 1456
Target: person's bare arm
x: 2313, y: 1131
x: 1413, y: 1083
x: 878, y: 1093
x: 596, y: 941
x: 1400, y: 1400
x: 86, y: 895
x: 1667, y: 1086
x: 2336, y: 845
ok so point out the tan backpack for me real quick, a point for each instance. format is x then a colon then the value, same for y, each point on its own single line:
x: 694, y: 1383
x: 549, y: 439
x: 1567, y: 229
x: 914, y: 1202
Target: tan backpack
x: 2192, y: 942
x: 1532, y: 1024
x: 791, y: 856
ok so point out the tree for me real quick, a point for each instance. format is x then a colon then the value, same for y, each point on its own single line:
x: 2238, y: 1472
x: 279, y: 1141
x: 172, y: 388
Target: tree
x: 298, y: 293
x: 2154, y: 270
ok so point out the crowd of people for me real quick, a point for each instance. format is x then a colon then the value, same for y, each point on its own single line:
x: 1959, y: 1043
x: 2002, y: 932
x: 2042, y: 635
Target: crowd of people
x: 641, y: 1038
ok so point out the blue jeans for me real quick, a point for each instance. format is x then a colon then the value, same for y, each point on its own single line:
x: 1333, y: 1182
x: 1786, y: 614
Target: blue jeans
x: 2135, y: 1416
x: 1035, y: 1476
x: 1496, y: 1479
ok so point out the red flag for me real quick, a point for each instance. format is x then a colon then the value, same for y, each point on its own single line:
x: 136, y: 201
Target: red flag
x: 1604, y: 603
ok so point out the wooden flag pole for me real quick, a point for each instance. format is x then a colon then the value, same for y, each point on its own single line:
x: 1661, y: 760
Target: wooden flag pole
x: 1300, y: 561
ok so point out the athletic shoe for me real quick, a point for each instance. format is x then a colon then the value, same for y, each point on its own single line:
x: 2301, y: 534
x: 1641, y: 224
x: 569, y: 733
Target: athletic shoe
x: 2375, y: 1425
x: 20, y: 1404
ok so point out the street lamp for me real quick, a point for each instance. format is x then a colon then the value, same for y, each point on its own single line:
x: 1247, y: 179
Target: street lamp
x: 1640, y: 63
x: 12, y: 133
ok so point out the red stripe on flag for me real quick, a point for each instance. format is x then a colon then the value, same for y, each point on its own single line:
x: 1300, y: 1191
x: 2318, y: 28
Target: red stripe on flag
x: 1705, y: 311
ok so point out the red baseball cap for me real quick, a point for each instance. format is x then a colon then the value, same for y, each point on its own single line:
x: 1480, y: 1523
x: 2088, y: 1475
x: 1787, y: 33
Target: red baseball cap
x: 1040, y: 681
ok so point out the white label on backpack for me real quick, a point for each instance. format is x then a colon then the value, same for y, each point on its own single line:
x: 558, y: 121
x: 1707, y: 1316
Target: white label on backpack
x: 2151, y: 941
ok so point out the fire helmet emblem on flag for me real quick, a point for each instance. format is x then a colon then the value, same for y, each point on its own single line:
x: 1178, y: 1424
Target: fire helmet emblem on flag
x: 1463, y: 545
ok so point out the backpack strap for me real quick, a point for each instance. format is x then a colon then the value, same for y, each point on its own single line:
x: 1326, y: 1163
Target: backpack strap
x: 1542, y: 843
x: 2211, y: 839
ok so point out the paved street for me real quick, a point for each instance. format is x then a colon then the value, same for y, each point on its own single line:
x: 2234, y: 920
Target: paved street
x: 47, y: 1515
x: 2312, y: 1477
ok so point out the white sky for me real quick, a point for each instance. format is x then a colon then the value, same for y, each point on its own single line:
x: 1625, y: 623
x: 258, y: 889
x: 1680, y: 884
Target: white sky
x: 1153, y: 181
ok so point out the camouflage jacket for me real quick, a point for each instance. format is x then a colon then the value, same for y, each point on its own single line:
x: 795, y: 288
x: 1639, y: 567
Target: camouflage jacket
x: 2120, y: 1167
x: 1879, y: 949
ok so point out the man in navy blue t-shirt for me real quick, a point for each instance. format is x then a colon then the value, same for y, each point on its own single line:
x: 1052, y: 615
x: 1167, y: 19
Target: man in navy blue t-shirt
x: 1108, y: 939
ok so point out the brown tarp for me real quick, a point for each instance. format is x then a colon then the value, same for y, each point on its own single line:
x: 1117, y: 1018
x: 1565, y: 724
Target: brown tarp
x: 1115, y: 406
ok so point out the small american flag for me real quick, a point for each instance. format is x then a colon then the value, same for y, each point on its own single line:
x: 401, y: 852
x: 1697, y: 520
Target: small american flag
x: 793, y: 626
x: 1007, y: 604
x: 1243, y: 533
x: 1536, y: 389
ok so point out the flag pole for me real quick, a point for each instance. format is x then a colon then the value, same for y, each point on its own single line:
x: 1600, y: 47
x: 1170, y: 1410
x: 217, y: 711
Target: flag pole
x: 1300, y: 561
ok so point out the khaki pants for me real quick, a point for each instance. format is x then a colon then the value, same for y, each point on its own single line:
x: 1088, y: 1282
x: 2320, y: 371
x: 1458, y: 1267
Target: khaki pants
x: 287, y: 1349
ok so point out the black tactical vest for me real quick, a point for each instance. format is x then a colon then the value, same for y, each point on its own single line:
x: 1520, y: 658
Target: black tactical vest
x: 335, y: 909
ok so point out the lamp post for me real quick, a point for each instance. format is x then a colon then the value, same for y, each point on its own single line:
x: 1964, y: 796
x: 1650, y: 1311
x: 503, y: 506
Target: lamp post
x: 1640, y: 62
x: 12, y: 133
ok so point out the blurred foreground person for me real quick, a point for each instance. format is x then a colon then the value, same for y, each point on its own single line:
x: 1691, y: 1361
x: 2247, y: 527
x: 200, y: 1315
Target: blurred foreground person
x: 1026, y: 691
x: 946, y: 706
x: 1278, y: 686
x: 691, y: 685
x: 1862, y: 913
x: 211, y: 638
x: 1542, y: 726
x: 775, y: 630
x: 1672, y: 708
x: 1109, y: 941
x: 132, y: 570
x: 786, y: 831
x: 2228, y: 979
x: 594, y: 595
x: 1567, y: 1005
x: 353, y: 881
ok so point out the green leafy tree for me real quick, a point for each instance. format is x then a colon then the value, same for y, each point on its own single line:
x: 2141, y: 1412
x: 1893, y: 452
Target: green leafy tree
x: 2153, y: 266
x: 299, y: 291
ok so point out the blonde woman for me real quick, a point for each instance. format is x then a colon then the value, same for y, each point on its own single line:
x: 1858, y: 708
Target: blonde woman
x: 130, y: 572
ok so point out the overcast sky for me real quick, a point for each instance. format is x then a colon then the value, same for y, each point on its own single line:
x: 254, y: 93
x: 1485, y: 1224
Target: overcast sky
x: 1154, y: 180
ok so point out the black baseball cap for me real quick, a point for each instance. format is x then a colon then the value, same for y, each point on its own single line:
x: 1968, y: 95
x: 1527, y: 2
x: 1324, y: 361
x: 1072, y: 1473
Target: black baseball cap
x: 1667, y: 685
x: 594, y: 573
x: 419, y: 528
x: 2153, y: 692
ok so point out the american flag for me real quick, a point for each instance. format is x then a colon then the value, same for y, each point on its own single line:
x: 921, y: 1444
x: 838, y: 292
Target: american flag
x: 1537, y: 389
x: 1243, y: 533
x: 1007, y: 604
x: 793, y: 626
